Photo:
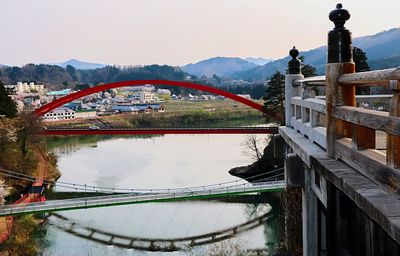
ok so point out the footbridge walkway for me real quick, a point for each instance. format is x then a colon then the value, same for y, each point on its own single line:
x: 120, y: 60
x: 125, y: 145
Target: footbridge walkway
x: 137, y: 197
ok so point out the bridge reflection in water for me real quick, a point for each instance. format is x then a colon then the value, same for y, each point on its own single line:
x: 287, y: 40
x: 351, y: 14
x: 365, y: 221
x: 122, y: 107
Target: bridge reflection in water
x: 152, y: 244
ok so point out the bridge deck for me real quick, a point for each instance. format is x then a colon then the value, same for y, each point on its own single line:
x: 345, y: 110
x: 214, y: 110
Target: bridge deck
x: 102, y: 201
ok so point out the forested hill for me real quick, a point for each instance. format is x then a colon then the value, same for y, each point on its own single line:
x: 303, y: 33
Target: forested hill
x: 220, y: 66
x: 56, y: 75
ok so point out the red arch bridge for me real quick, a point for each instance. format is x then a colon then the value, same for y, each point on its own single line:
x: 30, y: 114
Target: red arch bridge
x: 110, y: 130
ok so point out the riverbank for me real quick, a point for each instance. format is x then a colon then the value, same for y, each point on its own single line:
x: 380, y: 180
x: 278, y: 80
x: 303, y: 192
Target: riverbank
x: 22, y: 150
x: 177, y: 114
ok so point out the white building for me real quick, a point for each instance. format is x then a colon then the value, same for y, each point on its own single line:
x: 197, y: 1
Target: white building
x: 21, y: 87
x: 144, y: 96
x: 59, y: 114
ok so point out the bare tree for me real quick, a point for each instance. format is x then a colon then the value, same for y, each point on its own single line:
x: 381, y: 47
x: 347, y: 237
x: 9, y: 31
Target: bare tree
x: 254, y: 146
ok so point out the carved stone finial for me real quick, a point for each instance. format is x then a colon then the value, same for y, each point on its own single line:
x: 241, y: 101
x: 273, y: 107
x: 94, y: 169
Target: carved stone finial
x: 294, y: 52
x: 340, y: 49
x: 294, y: 64
x: 339, y: 16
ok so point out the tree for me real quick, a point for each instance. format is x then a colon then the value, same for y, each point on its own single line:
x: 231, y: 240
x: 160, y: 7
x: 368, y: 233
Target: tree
x: 65, y: 83
x: 306, y: 69
x: 72, y: 72
x: 275, y: 94
x: 273, y: 99
x: 309, y: 71
x: 360, y: 59
x: 7, y: 105
x: 79, y: 87
x: 29, y: 128
x: 254, y: 146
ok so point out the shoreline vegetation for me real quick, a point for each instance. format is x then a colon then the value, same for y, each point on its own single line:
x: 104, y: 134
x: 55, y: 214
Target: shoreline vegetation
x: 22, y: 150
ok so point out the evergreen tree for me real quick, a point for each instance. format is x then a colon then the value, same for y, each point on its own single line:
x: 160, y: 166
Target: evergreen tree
x: 275, y: 94
x: 7, y: 105
x: 307, y: 70
x: 72, y: 72
x: 274, y: 98
x: 360, y: 59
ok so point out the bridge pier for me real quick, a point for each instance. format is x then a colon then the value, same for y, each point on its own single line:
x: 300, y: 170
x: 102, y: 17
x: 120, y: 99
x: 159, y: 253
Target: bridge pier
x: 309, y: 209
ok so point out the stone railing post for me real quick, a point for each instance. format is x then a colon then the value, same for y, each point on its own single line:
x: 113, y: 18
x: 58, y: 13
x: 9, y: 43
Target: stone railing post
x: 294, y: 73
x: 340, y: 61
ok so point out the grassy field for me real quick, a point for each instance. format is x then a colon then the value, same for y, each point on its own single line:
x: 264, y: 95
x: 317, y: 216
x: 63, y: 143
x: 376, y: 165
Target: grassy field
x: 210, y: 105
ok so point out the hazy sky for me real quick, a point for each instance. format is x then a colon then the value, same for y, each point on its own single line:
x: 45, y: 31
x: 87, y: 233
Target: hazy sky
x: 176, y: 32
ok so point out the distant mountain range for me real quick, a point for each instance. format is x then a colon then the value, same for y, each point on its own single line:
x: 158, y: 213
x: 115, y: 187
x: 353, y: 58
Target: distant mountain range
x: 258, y: 61
x: 222, y: 66
x: 382, y: 49
x: 77, y: 64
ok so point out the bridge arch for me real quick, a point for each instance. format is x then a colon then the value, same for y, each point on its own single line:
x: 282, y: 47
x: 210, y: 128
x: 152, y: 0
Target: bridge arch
x: 73, y: 96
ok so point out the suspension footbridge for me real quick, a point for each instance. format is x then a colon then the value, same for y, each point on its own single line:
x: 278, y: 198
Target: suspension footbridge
x: 265, y: 182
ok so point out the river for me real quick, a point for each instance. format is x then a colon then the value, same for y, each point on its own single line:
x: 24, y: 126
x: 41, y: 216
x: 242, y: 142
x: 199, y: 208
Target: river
x: 157, y: 162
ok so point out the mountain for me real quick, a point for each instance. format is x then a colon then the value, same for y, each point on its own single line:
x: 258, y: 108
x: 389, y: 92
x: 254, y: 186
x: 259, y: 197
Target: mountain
x: 57, y: 76
x: 380, y: 48
x: 221, y: 66
x: 80, y: 64
x: 259, y: 61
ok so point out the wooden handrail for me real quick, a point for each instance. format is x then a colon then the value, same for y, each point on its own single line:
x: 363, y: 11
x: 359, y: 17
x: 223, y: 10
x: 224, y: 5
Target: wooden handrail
x: 310, y: 81
x: 377, y: 120
x: 377, y: 77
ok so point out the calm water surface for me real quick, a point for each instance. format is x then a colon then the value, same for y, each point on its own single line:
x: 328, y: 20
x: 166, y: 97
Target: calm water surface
x: 158, y: 162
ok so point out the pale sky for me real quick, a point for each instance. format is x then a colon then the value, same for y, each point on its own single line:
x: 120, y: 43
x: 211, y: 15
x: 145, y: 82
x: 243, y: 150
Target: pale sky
x: 175, y: 32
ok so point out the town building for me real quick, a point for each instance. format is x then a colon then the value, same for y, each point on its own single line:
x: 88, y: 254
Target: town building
x: 148, y: 108
x: 60, y: 93
x: 85, y: 113
x: 144, y: 96
x: 138, y: 108
x: 58, y: 114
x: 21, y: 87
x: 125, y: 109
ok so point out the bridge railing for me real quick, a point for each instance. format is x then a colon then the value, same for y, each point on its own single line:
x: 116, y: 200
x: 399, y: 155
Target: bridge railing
x: 334, y: 121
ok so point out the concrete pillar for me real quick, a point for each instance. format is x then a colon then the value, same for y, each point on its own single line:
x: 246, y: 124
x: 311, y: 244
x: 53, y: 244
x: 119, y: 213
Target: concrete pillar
x: 290, y: 91
x: 294, y: 171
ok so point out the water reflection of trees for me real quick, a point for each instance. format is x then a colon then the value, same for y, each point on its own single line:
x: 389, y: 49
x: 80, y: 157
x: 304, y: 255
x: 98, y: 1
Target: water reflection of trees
x: 273, y: 226
x: 70, y: 144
